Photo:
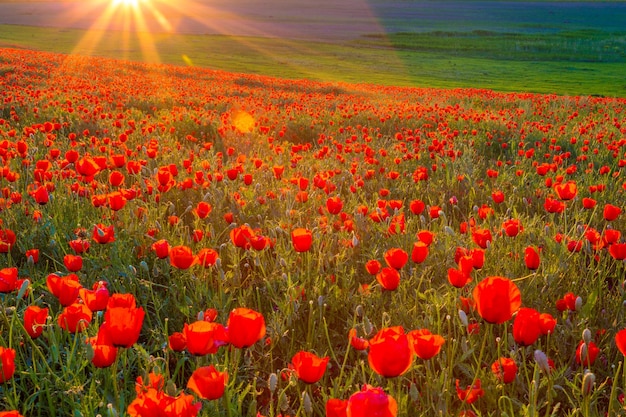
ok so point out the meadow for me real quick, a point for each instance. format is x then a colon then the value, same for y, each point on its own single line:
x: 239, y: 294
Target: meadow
x: 182, y: 241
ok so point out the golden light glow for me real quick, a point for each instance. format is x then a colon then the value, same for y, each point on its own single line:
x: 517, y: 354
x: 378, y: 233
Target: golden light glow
x: 130, y: 3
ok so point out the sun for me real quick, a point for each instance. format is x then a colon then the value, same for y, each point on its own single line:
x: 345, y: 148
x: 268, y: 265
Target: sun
x: 128, y: 3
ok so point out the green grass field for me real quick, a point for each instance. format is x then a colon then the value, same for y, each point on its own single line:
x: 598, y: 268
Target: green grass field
x: 566, y: 63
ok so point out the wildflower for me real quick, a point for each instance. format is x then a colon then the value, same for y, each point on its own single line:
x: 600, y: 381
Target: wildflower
x: 620, y: 341
x: 372, y: 266
x: 75, y: 318
x: 104, y: 353
x: 204, y: 337
x: 8, y: 279
x: 334, y: 205
x: 370, y: 402
x: 301, y: 239
x: 161, y: 248
x: 566, y: 191
x: 390, y: 352
x: 177, y: 342
x: 396, y: 258
x: 425, y: 345
x: 336, y: 407
x: 471, y: 393
x: 208, y: 382
x: 531, y: 258
x: 388, y: 278
x: 123, y: 319
x: 420, y: 252
x: 34, y: 320
x: 7, y: 360
x: 97, y: 298
x: 103, y: 234
x: 504, y: 369
x: 497, y: 298
x: 611, y: 212
x: 358, y: 343
x: 207, y: 257
x: 181, y: 257
x: 309, y: 367
x: 245, y: 327
x: 65, y: 289
x: 586, y: 353
x: 203, y: 209
x: 73, y: 263
x: 526, y: 326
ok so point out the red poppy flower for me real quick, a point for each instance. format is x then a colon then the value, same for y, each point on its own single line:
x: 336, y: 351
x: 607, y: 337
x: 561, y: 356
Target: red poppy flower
x: 301, y: 239
x: 586, y: 353
x: 116, y: 200
x: 618, y: 251
x: 388, y: 278
x: 8, y: 279
x: 526, y: 326
x: 611, y: 212
x: 41, y: 195
x: 66, y: 288
x: 334, y: 205
x: 568, y: 302
x: 32, y: 253
x: 420, y: 252
x: 547, y: 323
x: 426, y: 236
x: 7, y: 360
x: 336, y: 407
x: 204, y: 337
x: 7, y: 240
x: 417, y: 206
x: 620, y: 341
x: 390, y: 352
x: 96, y: 298
x: 123, y: 319
x: 497, y: 197
x: 458, y: 278
x: 207, y: 257
x: 356, y: 342
x: 207, y: 382
x: 425, y: 345
x: 371, y: 402
x: 504, y: 369
x: 512, y: 227
x: 471, y: 393
x: 396, y: 258
x: 482, y: 237
x: 79, y: 245
x: 13, y: 413
x: 116, y: 178
x: 497, y: 298
x: 87, y: 167
x: 73, y: 263
x: 309, y: 367
x: 203, y: 209
x: 177, y: 342
x: 589, y: 203
x: 75, y: 318
x: 34, y: 320
x: 245, y: 327
x: 372, y: 266
x: 104, y: 353
x: 566, y: 191
x: 531, y: 258
x: 181, y: 257
x: 103, y: 234
x: 161, y: 248
x: 241, y: 236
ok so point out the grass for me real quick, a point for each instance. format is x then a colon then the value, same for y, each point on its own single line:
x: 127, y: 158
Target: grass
x: 566, y: 63
x: 364, y: 144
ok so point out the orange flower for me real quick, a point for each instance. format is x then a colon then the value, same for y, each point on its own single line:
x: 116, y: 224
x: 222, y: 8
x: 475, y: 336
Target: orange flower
x: 301, y: 239
x: 104, y: 353
x: 336, y: 407
x: 161, y: 248
x: 482, y: 237
x: 334, y: 205
x: 388, y: 278
x: 8, y: 279
x: 531, y: 258
x: 34, y: 320
x: 13, y: 413
x: 566, y: 191
x: 103, y: 234
x: 73, y: 263
x: 66, y: 288
x: 75, y: 318
x: 471, y: 393
x: 204, y: 337
x: 123, y: 319
x: 97, y: 298
x: 7, y: 360
x: 458, y: 278
x: 497, y: 298
x: 309, y: 367
x: 203, y: 209
x: 370, y: 402
x: 356, y: 342
x: 620, y: 341
x: 207, y: 382
x: 504, y: 369
x: 396, y: 258
x: 526, y: 326
x: 207, y: 257
x: 372, y: 266
x: 425, y: 345
x: 390, y: 352
x: 181, y: 257
x: 245, y: 327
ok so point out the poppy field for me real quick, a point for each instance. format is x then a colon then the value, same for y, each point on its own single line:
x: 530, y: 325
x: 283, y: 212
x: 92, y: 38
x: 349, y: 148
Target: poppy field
x: 180, y: 241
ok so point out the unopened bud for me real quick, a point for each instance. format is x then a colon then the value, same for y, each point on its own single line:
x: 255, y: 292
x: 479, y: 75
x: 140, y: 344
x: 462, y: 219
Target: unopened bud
x: 542, y: 361
x: 306, y: 403
x: 463, y: 317
x: 579, y: 303
x: 272, y: 382
x: 589, y: 380
x: 587, y: 335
